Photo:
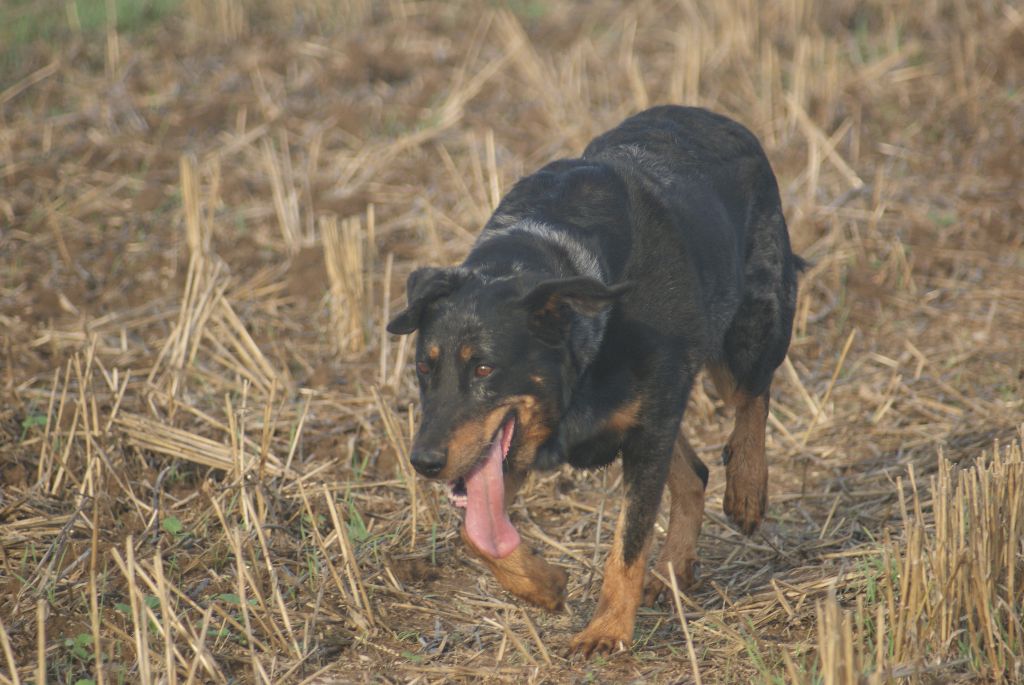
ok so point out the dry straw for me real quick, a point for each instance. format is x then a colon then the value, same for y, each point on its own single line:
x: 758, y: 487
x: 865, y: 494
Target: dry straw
x: 948, y: 589
x: 204, y: 427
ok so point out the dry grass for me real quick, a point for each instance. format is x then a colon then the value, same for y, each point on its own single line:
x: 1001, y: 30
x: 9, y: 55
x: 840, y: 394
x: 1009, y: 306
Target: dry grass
x: 205, y: 222
x: 946, y: 595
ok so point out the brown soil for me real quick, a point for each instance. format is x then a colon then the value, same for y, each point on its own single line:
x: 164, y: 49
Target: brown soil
x: 196, y: 370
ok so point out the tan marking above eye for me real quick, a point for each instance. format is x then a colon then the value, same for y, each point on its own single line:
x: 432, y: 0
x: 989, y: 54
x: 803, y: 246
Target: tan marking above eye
x: 434, y: 352
x: 465, y: 352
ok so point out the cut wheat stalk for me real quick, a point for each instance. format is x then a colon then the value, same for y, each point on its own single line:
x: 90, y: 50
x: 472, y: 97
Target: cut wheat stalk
x: 235, y: 539
x: 505, y: 630
x: 541, y: 647
x: 344, y: 250
x: 286, y: 202
x: 139, y: 621
x: 352, y: 572
x: 12, y: 665
x: 45, y: 468
x: 204, y: 286
x: 298, y: 432
x: 199, y: 652
x: 229, y: 330
x: 393, y: 431
x: 166, y: 612
x: 151, y: 435
x: 94, y: 604
x: 382, y: 334
x: 197, y: 233
x: 350, y: 599
x: 941, y: 584
x: 41, y: 642
x: 275, y: 589
x: 677, y: 602
x: 828, y: 390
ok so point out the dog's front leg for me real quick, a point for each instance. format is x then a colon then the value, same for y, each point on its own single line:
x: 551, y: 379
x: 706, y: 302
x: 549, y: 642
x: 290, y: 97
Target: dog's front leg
x: 526, y: 575
x: 611, y: 626
x: 645, y: 461
x: 523, y: 573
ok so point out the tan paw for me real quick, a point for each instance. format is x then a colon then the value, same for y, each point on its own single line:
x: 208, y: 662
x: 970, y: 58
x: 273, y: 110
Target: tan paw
x: 687, y: 578
x: 598, y: 640
x: 545, y: 589
x: 744, y: 503
x: 526, y: 575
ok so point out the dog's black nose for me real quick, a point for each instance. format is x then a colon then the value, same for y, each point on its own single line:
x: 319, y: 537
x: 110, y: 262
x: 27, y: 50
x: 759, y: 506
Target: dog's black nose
x: 428, y: 462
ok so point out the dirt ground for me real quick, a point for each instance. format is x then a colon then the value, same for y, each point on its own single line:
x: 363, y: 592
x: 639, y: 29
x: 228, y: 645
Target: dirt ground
x: 208, y: 210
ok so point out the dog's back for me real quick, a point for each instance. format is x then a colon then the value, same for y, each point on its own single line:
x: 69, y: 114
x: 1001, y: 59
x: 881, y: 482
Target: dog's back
x: 707, y: 182
x: 686, y: 156
x: 675, y: 200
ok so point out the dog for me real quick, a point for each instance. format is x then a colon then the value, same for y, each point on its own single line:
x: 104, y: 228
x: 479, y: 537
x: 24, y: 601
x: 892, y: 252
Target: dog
x: 573, y: 333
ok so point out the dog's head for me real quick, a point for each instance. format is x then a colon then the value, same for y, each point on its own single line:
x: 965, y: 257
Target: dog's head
x: 495, y: 359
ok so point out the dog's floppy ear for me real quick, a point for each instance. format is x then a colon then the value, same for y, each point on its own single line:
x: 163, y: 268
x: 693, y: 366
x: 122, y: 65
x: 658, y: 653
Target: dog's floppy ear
x: 423, y: 287
x: 550, y: 305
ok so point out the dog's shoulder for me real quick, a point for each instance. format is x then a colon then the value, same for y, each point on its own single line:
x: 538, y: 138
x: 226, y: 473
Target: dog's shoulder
x: 570, y: 192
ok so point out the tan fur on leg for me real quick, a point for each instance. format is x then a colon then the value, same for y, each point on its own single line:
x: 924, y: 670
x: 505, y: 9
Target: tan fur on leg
x: 526, y: 575
x: 612, y: 623
x: 725, y: 384
x: 523, y: 573
x: 746, y: 471
x: 685, y: 516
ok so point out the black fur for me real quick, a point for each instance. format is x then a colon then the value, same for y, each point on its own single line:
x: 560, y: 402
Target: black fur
x: 608, y: 282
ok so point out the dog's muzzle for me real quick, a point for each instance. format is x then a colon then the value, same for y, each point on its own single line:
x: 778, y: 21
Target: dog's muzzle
x: 428, y: 462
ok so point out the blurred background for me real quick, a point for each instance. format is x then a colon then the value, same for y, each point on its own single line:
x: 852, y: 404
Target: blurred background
x: 207, y: 213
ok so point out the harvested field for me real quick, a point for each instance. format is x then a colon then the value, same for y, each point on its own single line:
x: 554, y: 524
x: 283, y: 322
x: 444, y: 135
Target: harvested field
x: 208, y: 210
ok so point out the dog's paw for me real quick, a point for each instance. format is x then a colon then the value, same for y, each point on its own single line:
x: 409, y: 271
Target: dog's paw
x: 593, y: 640
x: 546, y: 589
x: 686, y: 577
x: 526, y: 575
x: 610, y: 630
x: 745, y: 506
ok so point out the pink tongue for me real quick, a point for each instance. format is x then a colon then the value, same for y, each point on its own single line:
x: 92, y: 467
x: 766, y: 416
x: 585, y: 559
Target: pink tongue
x: 487, y: 524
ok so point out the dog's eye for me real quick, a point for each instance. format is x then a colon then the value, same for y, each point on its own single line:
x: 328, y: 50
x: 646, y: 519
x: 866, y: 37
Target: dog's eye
x: 423, y: 367
x: 483, y: 371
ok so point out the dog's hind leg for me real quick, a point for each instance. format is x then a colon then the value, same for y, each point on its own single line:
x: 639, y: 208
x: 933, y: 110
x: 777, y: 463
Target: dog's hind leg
x: 746, y: 468
x: 754, y: 346
x: 687, y: 478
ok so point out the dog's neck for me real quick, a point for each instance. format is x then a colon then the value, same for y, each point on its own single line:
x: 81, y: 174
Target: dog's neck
x: 532, y: 248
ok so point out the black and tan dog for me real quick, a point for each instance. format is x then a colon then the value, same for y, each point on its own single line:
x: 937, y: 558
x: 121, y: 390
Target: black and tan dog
x: 573, y: 333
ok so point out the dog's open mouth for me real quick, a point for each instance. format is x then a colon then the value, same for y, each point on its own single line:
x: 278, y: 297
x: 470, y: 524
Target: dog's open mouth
x: 481, y: 492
